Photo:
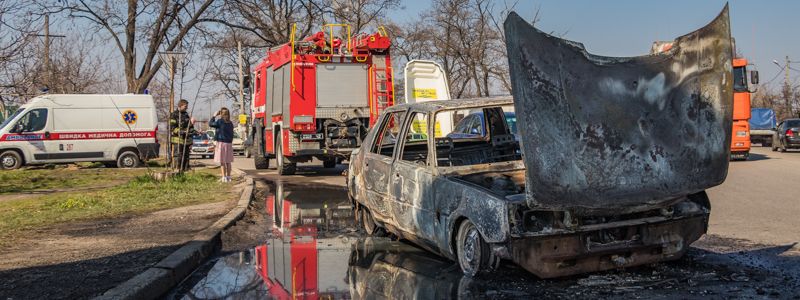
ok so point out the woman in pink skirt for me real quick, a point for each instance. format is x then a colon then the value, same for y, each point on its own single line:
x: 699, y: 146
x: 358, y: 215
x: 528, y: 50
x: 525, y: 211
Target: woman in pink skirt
x: 224, y: 137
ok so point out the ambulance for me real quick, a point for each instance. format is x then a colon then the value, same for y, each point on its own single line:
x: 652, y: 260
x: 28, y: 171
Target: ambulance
x: 117, y: 130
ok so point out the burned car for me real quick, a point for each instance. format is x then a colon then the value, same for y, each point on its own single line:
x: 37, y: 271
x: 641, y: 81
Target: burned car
x: 609, y: 168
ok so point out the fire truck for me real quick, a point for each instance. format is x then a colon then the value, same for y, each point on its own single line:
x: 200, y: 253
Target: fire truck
x: 742, y: 87
x: 318, y: 96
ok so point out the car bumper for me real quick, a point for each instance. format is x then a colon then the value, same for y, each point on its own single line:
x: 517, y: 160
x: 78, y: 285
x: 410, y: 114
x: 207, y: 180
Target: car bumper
x: 202, y: 151
x: 793, y: 142
x: 563, y: 255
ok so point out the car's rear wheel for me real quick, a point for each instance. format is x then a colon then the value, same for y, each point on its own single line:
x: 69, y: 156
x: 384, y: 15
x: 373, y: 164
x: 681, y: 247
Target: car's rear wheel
x: 474, y: 254
x: 128, y: 159
x: 10, y: 160
x: 370, y: 227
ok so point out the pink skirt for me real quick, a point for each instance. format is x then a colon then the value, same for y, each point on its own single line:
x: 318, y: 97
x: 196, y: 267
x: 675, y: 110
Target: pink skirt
x: 223, y: 153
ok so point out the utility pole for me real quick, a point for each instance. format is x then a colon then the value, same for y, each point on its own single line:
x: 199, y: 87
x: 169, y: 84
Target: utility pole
x: 241, y: 80
x: 47, y: 37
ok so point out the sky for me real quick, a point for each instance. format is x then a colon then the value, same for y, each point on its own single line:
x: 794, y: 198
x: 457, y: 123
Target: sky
x: 764, y: 30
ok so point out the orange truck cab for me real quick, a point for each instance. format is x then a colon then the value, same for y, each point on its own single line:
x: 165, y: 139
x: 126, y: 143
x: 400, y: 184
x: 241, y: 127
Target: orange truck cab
x: 740, y: 142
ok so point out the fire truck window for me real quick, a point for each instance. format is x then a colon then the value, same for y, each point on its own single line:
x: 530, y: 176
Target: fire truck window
x: 34, y: 120
x: 415, y: 147
x: 387, y: 138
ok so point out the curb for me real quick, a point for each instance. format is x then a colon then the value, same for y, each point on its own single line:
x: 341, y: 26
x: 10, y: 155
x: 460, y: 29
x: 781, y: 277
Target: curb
x: 159, y: 279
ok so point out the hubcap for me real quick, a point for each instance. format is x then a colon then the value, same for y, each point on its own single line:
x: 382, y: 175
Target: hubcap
x: 9, y: 161
x: 127, y: 161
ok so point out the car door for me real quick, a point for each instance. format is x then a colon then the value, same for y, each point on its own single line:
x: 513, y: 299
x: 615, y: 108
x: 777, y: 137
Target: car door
x: 378, y: 164
x: 412, y: 175
x: 32, y: 129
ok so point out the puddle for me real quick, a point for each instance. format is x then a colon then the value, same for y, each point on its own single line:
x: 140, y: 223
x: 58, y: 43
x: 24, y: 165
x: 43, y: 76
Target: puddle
x: 312, y: 249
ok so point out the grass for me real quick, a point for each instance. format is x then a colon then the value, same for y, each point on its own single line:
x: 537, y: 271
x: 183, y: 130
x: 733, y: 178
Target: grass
x: 61, y: 178
x: 139, y: 195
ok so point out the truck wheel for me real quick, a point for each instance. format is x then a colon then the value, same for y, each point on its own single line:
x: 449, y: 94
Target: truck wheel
x: 285, y: 167
x: 128, y: 159
x: 260, y: 159
x: 329, y: 163
x: 10, y: 160
x: 474, y: 254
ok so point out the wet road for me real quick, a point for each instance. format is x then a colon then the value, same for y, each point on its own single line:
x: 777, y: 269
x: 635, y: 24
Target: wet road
x: 309, y: 248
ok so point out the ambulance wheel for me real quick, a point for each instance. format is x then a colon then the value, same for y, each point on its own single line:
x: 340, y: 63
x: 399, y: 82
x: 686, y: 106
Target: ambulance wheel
x: 128, y: 159
x: 10, y: 160
x: 285, y: 167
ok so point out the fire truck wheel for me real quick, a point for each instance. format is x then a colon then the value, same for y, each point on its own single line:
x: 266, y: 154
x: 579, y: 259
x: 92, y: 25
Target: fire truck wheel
x: 259, y: 159
x: 329, y: 163
x: 285, y: 167
x: 10, y: 160
x: 128, y: 159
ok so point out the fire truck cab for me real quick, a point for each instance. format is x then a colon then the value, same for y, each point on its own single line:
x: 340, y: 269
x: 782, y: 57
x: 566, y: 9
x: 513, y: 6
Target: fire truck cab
x: 317, y: 97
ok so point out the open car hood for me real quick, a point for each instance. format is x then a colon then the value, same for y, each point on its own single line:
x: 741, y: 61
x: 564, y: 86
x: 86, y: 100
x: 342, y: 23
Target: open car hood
x: 621, y: 134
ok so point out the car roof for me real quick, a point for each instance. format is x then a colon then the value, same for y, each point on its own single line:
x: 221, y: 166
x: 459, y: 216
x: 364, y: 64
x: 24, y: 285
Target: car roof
x: 437, y: 105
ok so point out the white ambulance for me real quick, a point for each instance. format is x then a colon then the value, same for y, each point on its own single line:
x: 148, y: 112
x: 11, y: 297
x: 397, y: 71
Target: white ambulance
x: 118, y: 130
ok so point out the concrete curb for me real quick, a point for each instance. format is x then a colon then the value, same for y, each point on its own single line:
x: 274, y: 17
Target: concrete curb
x: 159, y: 279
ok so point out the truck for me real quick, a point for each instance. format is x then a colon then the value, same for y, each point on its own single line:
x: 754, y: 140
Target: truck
x: 742, y: 87
x: 762, y: 126
x: 317, y: 97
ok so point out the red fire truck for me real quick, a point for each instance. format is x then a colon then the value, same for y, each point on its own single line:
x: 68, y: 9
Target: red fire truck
x: 317, y: 97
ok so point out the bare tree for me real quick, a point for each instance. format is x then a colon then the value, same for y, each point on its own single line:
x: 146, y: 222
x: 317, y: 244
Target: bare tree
x: 268, y: 23
x: 466, y: 38
x: 152, y: 25
x: 361, y: 13
x: 16, y: 25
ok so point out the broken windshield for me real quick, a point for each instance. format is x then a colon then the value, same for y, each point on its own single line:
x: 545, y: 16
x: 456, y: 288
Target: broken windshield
x: 476, y: 135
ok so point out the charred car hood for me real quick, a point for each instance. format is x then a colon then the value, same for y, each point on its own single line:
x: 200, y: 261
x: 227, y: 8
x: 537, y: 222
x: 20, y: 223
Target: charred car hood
x: 618, y: 134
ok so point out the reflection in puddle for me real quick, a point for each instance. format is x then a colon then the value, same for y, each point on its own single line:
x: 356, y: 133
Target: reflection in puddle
x: 314, y: 251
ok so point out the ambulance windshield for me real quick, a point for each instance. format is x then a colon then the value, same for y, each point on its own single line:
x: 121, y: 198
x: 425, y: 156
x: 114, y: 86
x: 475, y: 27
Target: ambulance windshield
x: 11, y: 117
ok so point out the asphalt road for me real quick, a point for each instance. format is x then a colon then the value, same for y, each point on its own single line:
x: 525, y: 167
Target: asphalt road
x: 760, y: 199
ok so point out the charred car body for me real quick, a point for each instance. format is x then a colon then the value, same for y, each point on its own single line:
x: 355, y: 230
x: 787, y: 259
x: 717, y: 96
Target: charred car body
x: 610, y: 170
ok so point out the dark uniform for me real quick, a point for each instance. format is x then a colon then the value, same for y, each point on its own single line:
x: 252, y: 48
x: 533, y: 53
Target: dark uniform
x: 181, y: 138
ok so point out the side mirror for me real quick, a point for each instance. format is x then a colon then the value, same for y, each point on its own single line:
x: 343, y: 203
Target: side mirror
x: 754, y: 77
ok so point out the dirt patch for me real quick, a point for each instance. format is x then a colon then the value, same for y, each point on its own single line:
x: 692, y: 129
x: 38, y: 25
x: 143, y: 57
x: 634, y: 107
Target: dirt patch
x: 84, y: 259
x: 253, y: 228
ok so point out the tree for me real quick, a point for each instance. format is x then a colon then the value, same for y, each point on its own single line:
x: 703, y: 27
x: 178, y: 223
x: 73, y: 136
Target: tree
x: 16, y: 25
x: 157, y: 25
x: 361, y: 13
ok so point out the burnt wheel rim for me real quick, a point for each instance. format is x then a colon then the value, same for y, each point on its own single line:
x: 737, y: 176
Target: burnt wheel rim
x: 9, y: 161
x: 471, y: 251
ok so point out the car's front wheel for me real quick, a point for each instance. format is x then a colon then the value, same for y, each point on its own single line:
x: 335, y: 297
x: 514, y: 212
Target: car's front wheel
x: 474, y: 254
x: 10, y: 160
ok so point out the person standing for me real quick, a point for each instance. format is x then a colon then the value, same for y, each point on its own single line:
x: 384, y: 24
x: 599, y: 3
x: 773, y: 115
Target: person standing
x: 224, y: 137
x: 181, y: 135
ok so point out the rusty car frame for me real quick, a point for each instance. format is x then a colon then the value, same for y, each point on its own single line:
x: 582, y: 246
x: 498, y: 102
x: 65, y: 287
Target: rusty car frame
x: 610, y: 168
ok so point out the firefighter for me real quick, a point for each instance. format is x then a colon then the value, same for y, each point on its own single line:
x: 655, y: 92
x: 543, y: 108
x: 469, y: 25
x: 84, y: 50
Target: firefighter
x: 181, y: 135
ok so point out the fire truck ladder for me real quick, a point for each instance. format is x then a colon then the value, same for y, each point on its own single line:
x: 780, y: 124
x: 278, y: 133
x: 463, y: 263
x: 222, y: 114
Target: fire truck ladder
x: 379, y: 83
